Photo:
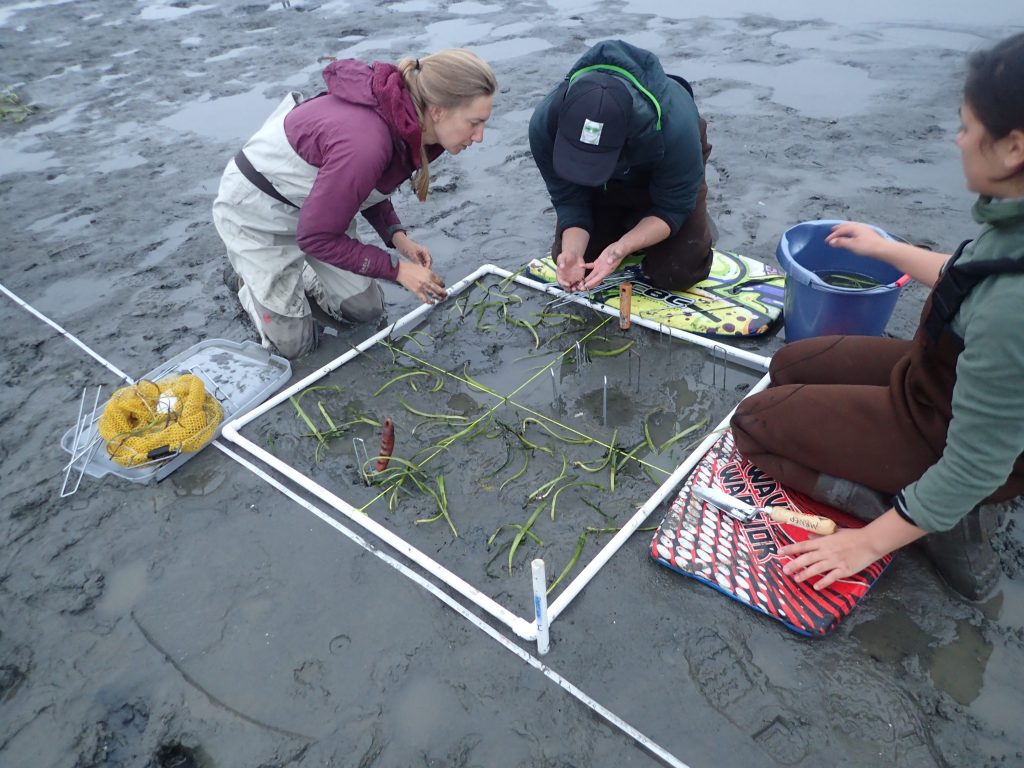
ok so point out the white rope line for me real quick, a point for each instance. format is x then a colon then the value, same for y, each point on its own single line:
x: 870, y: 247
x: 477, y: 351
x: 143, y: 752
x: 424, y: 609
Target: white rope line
x: 603, y: 712
x: 109, y: 366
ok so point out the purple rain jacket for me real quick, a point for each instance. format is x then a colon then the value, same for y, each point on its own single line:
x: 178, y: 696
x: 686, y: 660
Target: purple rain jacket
x: 363, y: 134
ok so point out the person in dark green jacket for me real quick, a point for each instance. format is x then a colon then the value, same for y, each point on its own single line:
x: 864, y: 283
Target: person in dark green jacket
x: 622, y: 150
x: 918, y: 434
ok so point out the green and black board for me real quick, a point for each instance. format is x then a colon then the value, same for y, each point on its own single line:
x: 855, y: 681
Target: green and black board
x: 741, y: 297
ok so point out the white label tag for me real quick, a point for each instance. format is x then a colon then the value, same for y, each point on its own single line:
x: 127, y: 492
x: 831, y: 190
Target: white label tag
x: 591, y: 132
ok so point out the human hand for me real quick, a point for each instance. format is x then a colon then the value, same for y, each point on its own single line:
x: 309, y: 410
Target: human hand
x: 569, y: 270
x: 424, y: 283
x: 413, y: 251
x: 841, y: 554
x: 604, y: 265
x: 858, y: 238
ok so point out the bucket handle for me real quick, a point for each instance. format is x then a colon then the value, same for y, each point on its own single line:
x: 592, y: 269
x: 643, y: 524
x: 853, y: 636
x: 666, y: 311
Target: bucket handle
x: 902, y: 281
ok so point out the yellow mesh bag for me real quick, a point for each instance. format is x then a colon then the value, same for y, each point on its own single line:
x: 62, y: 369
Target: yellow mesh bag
x: 151, y: 420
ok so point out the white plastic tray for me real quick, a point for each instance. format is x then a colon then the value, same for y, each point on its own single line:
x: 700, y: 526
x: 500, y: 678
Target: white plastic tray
x: 240, y: 374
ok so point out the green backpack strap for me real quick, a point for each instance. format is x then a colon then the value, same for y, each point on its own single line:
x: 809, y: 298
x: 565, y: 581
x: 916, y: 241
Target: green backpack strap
x: 629, y: 76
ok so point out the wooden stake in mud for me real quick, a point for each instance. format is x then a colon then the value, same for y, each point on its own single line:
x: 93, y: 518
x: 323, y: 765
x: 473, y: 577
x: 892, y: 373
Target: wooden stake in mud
x: 625, y: 305
x: 387, y: 444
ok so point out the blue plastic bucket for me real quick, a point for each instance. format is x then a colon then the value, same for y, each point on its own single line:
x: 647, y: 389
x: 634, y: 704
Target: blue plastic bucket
x: 814, y: 307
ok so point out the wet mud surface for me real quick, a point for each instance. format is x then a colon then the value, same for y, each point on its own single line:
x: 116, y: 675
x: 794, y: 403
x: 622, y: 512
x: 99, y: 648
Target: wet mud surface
x: 210, y: 621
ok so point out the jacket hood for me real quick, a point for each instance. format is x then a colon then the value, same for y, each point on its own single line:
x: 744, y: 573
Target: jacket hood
x: 381, y: 88
x: 349, y: 79
x: 1002, y: 212
x: 643, y: 65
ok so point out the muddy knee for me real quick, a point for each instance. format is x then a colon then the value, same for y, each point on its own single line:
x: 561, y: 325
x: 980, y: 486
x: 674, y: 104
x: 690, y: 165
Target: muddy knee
x: 364, y: 307
x: 292, y: 337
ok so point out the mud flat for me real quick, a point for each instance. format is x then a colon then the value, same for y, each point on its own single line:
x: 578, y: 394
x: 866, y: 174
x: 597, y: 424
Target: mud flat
x: 209, y: 621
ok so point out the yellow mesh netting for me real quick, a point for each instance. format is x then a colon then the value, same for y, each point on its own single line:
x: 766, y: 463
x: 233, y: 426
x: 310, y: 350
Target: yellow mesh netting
x: 150, y: 420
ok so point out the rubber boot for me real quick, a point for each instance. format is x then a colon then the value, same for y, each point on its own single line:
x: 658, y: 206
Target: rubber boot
x: 850, y: 497
x: 963, y: 556
x: 234, y: 283
x: 231, y: 279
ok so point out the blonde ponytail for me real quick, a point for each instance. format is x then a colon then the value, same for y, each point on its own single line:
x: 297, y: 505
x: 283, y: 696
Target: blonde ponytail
x: 448, y: 79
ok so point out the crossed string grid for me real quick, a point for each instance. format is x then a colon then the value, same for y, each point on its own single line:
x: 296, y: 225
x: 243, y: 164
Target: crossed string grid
x: 515, y: 416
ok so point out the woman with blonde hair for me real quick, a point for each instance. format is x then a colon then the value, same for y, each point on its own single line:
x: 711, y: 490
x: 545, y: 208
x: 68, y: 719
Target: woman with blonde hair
x: 287, y: 201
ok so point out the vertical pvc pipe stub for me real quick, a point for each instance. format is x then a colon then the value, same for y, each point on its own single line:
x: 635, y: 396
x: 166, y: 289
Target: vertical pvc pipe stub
x: 540, y: 606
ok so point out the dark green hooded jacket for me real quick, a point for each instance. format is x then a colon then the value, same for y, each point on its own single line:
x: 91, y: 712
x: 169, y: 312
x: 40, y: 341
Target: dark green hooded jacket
x: 985, y: 439
x: 669, y: 161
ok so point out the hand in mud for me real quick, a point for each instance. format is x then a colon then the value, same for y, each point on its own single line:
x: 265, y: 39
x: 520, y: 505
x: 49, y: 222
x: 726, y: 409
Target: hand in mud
x: 569, y: 271
x: 841, y: 554
x: 413, y: 251
x: 428, y: 286
x: 856, y: 237
x: 604, y: 265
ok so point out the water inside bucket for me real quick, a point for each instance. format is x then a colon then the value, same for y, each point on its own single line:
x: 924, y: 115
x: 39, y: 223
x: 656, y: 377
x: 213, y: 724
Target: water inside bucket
x: 842, y: 278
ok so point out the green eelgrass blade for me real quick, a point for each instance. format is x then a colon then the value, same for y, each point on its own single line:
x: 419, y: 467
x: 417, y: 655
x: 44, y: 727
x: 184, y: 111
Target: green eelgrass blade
x: 520, y: 323
x: 507, y: 281
x: 577, y: 484
x: 476, y: 384
x: 518, y: 527
x: 583, y: 440
x: 401, y: 376
x: 631, y: 454
x: 544, y: 490
x: 676, y: 438
x: 309, y: 422
x: 439, y: 416
x: 518, y: 474
x: 647, y: 436
x: 597, y: 509
x: 610, y: 352
x: 576, y: 555
x: 326, y: 415
x: 607, y: 458
x: 559, y: 317
x: 508, y: 460
x: 523, y: 531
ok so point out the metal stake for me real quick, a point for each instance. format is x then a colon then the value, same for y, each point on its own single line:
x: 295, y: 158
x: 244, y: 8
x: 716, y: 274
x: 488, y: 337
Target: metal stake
x: 604, y: 403
x: 715, y: 350
x: 362, y: 459
x: 78, y: 451
x: 633, y: 353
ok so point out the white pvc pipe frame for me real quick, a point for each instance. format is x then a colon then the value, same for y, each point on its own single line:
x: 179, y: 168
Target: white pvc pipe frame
x: 538, y: 567
x: 520, y: 626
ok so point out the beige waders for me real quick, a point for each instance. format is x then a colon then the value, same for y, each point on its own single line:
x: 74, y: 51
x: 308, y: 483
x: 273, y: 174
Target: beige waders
x: 259, y: 233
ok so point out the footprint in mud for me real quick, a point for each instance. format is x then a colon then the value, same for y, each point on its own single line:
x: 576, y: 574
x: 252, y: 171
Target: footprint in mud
x: 175, y: 755
x: 737, y: 688
x: 869, y: 714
